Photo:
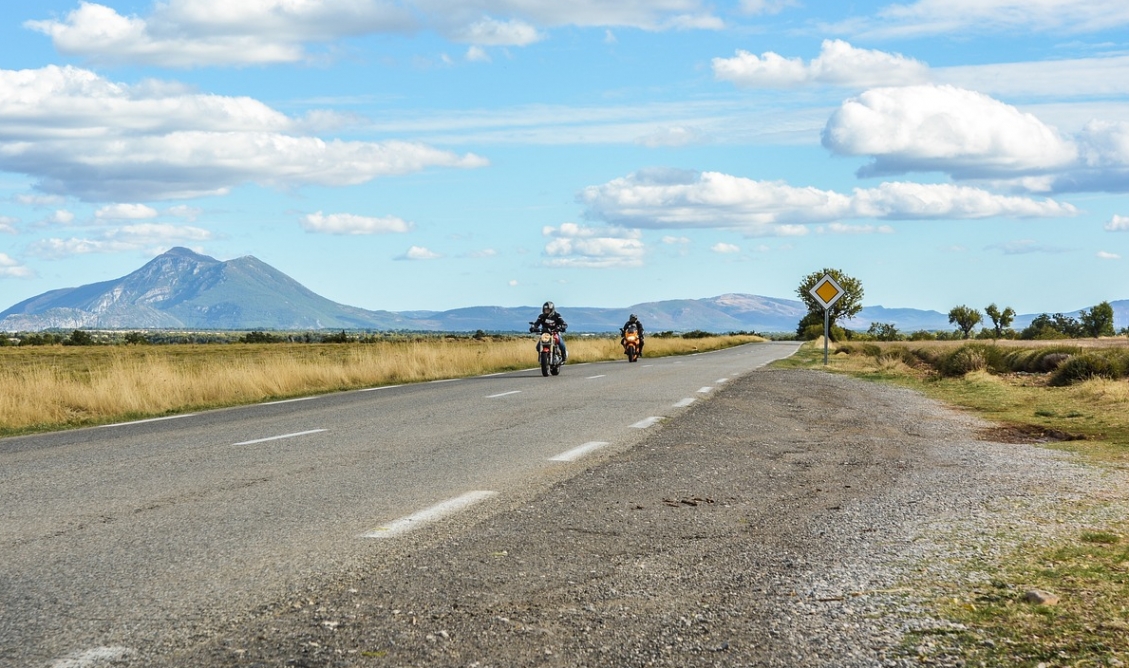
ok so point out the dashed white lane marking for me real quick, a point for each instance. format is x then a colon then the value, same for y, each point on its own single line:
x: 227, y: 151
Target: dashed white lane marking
x: 426, y: 515
x: 503, y: 394
x: 99, y: 656
x: 684, y: 403
x: 578, y: 452
x: 382, y: 387
x: 445, y: 380
x: 643, y: 424
x: 286, y: 401
x: 705, y: 390
x: 491, y: 375
x: 157, y: 419
x: 276, y: 438
x: 719, y: 381
x: 595, y: 377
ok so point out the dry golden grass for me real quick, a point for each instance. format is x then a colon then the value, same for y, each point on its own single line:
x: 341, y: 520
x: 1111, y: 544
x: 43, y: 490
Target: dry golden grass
x: 57, y: 387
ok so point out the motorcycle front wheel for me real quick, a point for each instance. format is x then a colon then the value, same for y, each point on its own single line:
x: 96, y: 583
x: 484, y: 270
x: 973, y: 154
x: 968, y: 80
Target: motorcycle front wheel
x: 544, y: 364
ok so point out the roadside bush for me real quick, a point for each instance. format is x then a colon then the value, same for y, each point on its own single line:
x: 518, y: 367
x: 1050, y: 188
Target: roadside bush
x: 259, y: 337
x: 1039, y: 360
x: 971, y: 357
x: 1105, y: 364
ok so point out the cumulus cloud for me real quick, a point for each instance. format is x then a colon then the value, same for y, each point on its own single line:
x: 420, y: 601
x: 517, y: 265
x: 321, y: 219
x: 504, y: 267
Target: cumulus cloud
x: 125, y: 212
x: 725, y: 249
x: 838, y: 64
x: 11, y: 268
x: 81, y: 135
x: 8, y: 224
x: 672, y: 199
x: 150, y: 237
x: 581, y: 246
x: 673, y: 241
x: 183, y: 33
x: 187, y: 33
x: 1117, y: 224
x: 1105, y: 255
x: 944, y: 128
x: 418, y: 253
x: 347, y: 223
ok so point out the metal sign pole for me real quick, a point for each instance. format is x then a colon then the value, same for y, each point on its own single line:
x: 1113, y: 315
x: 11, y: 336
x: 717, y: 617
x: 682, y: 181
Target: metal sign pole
x: 826, y: 332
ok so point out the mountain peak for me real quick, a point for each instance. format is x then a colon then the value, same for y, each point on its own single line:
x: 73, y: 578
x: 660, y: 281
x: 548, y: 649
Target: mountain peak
x: 187, y: 253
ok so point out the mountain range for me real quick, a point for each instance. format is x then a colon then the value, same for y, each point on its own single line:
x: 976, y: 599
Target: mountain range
x: 181, y: 289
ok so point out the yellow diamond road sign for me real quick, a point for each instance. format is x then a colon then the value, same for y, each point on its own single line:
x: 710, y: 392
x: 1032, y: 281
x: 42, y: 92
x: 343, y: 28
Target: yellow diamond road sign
x: 826, y: 291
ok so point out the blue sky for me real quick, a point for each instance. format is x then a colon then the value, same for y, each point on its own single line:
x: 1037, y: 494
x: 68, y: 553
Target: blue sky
x: 435, y: 154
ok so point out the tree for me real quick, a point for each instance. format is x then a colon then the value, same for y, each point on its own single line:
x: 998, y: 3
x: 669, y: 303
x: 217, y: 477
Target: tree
x: 884, y: 331
x: 846, y: 308
x: 1001, y: 320
x: 79, y: 338
x: 1058, y: 326
x: 1097, y: 321
x: 965, y: 318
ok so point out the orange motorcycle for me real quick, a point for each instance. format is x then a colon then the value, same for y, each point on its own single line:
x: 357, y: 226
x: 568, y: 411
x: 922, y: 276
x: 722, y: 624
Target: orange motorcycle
x: 632, y: 344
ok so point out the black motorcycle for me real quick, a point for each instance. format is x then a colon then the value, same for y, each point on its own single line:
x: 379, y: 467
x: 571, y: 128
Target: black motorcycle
x: 548, y: 350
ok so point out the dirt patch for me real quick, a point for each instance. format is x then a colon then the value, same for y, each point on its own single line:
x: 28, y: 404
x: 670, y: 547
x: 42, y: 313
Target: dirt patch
x: 1026, y: 433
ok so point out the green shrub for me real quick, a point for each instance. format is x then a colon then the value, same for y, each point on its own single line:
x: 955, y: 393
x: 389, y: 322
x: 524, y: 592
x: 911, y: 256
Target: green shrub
x: 970, y: 357
x: 1104, y: 364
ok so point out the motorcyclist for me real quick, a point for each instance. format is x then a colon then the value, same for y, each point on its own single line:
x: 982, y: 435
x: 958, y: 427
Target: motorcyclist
x: 551, y: 320
x: 632, y: 320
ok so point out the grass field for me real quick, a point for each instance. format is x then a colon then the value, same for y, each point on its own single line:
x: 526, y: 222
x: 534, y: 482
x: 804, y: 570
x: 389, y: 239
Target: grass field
x: 1087, y: 567
x: 58, y: 387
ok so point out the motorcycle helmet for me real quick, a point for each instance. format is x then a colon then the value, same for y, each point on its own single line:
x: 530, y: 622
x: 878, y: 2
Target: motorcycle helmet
x: 547, y: 308
x: 632, y: 318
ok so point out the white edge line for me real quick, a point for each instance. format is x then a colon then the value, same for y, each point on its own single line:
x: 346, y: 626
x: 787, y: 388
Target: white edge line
x: 286, y: 401
x: 503, y: 394
x: 275, y: 438
x: 578, y: 452
x: 595, y: 377
x: 685, y: 402
x: 719, y: 381
x: 647, y: 422
x: 445, y: 380
x: 156, y: 419
x: 705, y: 390
x: 491, y: 375
x: 439, y: 510
x: 382, y: 387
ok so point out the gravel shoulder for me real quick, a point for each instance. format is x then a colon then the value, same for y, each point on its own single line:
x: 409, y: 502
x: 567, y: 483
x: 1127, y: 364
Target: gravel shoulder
x: 795, y: 518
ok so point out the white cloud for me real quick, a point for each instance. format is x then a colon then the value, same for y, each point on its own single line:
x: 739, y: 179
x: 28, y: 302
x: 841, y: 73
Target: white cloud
x: 184, y: 33
x: 8, y: 224
x: 843, y: 228
x: 725, y: 248
x: 150, y: 237
x: 671, y: 241
x: 125, y: 212
x: 481, y: 254
x: 670, y: 199
x: 931, y: 17
x: 40, y: 200
x: 581, y: 246
x: 184, y: 211
x: 188, y: 33
x: 947, y: 129
x: 60, y: 217
x: 513, y: 283
x: 492, y: 32
x: 1103, y: 255
x: 418, y: 253
x: 1117, y: 224
x: 838, y: 64
x: 11, y: 268
x: 83, y: 136
x: 1026, y: 247
x: 756, y: 7
x: 477, y: 54
x: 347, y: 223
x: 671, y: 136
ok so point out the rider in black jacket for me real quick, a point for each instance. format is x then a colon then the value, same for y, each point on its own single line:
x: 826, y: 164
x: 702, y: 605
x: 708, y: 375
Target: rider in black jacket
x: 551, y: 320
x: 632, y: 320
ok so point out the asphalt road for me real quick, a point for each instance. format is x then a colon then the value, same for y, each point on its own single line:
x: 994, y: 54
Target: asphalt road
x: 139, y: 539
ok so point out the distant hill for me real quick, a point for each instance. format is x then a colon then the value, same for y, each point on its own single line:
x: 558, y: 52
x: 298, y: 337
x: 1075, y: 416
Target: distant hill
x: 181, y: 289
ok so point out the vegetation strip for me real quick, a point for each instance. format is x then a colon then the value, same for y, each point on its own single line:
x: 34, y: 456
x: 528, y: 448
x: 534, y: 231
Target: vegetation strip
x: 1062, y: 601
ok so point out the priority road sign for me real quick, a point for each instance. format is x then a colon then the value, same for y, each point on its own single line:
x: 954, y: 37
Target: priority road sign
x: 827, y: 291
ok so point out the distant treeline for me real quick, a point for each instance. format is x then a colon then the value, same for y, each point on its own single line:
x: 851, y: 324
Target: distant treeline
x: 90, y: 337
